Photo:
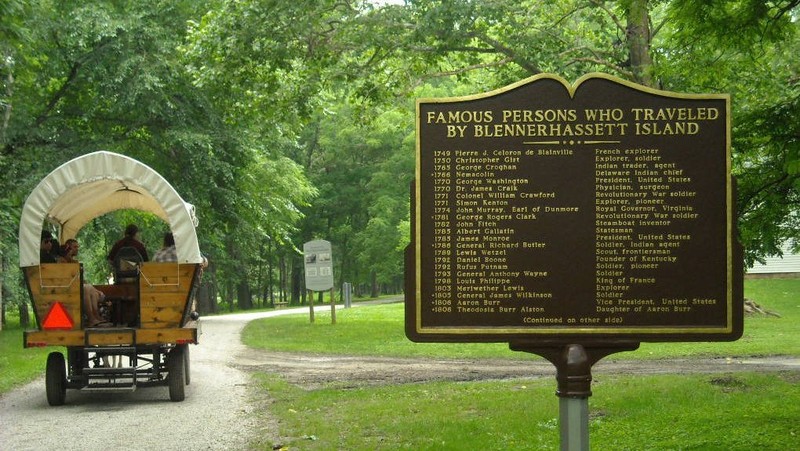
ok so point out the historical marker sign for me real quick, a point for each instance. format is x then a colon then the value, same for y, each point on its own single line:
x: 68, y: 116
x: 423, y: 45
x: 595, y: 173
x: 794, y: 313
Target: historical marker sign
x: 318, y: 265
x: 552, y: 211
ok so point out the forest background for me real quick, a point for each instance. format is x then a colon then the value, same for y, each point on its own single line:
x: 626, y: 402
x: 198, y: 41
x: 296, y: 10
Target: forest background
x: 284, y: 122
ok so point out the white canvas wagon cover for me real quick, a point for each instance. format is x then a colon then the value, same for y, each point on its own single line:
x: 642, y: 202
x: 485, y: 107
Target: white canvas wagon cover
x: 98, y: 183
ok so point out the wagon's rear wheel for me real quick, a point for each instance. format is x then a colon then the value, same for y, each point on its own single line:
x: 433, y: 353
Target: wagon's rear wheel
x: 186, y: 366
x: 56, y: 379
x: 176, y: 376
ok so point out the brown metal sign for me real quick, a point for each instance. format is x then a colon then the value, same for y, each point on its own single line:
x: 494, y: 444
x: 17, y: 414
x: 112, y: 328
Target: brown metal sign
x: 554, y: 211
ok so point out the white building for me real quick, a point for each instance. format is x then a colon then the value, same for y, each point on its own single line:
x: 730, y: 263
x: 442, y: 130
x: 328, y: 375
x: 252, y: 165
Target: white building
x: 788, y: 265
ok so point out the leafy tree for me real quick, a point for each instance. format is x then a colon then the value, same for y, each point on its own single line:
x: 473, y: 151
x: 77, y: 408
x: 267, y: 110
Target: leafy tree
x: 743, y: 51
x: 107, y: 75
x: 364, y: 165
x: 288, y: 121
x: 739, y: 47
x: 345, y: 153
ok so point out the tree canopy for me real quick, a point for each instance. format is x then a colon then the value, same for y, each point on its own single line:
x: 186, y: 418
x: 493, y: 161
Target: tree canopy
x: 289, y: 121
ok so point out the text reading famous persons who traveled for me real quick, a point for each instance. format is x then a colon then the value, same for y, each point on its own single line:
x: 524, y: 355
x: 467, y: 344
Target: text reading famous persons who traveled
x: 614, y: 122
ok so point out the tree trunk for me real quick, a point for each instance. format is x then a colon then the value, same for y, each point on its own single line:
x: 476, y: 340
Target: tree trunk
x: 260, y: 289
x: 270, y: 276
x: 9, y: 83
x: 375, y: 287
x: 213, y: 289
x: 638, y: 24
x: 297, y: 279
x: 244, y: 296
x: 282, y: 278
x: 203, y: 299
x: 229, y: 295
x: 24, y: 317
x: 2, y: 303
x: 206, y: 293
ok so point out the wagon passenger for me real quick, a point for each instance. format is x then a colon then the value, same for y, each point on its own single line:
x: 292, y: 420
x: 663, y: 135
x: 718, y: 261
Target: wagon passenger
x: 168, y: 253
x: 131, y: 239
x: 92, y: 297
x: 46, y: 252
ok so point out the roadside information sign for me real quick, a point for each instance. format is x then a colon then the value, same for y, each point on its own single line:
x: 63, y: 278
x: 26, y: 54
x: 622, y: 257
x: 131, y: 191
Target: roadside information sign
x: 318, y: 265
x: 554, y: 211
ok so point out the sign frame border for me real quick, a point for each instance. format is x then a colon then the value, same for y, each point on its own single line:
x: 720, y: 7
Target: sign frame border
x: 732, y: 330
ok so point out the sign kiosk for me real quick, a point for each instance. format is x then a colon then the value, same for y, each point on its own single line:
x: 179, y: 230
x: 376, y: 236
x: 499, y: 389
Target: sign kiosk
x: 318, y: 263
x: 574, y: 221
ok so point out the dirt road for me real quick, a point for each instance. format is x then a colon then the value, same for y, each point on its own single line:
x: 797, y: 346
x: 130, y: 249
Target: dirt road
x: 215, y: 414
x: 311, y: 372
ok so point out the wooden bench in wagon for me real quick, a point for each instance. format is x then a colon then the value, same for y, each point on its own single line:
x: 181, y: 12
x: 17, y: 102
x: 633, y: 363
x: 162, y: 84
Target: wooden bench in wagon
x: 152, y: 314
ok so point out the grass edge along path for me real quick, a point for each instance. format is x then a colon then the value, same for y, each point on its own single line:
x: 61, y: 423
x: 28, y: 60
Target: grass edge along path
x: 18, y: 365
x: 378, y: 331
x: 762, y: 336
x: 744, y: 411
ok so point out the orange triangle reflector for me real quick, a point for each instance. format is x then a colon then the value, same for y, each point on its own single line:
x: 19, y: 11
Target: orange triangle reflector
x: 57, y: 318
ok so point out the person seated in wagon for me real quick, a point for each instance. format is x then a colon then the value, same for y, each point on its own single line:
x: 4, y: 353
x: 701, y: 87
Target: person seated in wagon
x: 92, y: 297
x: 168, y: 253
x: 131, y: 239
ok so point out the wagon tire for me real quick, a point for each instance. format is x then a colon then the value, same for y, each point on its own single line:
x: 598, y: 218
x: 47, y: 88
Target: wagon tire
x: 176, y: 377
x: 186, y: 366
x: 56, y: 379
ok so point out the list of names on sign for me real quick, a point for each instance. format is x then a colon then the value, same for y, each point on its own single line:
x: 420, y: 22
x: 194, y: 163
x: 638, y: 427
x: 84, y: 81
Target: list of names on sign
x: 541, y: 210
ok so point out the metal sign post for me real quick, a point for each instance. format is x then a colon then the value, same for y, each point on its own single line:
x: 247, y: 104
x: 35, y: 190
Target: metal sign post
x: 347, y: 289
x: 573, y: 422
x: 573, y: 364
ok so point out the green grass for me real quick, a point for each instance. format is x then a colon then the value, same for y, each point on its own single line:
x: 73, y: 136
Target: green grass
x: 703, y: 412
x: 696, y: 412
x: 378, y: 330
x: 373, y: 330
x: 741, y: 411
x: 19, y: 365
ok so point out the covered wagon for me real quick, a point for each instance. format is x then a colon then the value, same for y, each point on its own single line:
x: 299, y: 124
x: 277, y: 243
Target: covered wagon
x: 151, y: 320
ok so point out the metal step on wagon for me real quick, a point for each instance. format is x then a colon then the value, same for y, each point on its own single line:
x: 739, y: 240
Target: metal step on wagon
x: 150, y: 312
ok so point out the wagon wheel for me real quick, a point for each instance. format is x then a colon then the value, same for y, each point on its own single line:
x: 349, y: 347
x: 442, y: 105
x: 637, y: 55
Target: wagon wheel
x: 176, y: 375
x: 56, y: 379
x: 186, y: 366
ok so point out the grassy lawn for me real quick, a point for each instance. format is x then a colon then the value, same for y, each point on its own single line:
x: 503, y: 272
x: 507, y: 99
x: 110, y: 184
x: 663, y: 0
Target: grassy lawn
x: 738, y: 411
x: 378, y: 331
x: 19, y: 365
x: 696, y: 412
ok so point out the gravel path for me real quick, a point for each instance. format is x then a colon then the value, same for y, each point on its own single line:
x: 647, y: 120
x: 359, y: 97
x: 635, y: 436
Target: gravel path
x: 214, y: 416
x: 216, y: 412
